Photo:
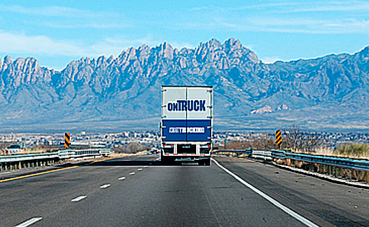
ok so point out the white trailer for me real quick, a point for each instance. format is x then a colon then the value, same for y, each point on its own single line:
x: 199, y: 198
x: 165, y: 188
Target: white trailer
x: 186, y: 124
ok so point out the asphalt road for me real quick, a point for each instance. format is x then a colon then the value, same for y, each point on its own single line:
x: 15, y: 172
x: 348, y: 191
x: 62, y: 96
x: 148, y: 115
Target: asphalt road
x: 139, y: 191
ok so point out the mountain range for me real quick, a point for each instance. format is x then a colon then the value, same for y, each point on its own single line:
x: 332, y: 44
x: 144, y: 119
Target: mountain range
x: 329, y: 93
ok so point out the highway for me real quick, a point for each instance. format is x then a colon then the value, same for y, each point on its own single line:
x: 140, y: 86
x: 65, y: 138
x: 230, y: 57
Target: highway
x: 140, y: 191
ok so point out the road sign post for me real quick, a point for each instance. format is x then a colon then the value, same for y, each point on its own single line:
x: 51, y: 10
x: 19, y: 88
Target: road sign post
x: 67, y: 140
x: 278, y: 137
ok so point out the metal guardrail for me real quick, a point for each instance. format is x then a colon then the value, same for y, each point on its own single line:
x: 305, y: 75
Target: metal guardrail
x: 266, y: 155
x: 320, y: 159
x: 327, y: 160
x: 247, y: 151
x: 27, y: 157
x: 71, y: 153
x: 61, y: 154
x: 259, y: 154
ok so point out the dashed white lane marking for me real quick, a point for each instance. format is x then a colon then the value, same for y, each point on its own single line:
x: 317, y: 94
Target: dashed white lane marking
x: 29, y: 222
x: 270, y: 199
x: 105, y: 186
x: 140, y: 169
x: 133, y: 173
x: 121, y: 178
x: 145, y: 166
x: 79, y: 198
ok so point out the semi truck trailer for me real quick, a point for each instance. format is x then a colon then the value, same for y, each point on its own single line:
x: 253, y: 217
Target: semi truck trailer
x: 186, y: 124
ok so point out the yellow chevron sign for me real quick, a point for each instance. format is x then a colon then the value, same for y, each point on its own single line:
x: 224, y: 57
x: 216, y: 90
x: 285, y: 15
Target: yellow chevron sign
x: 67, y: 140
x: 278, y: 137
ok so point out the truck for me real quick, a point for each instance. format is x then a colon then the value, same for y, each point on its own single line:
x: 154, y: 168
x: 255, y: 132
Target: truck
x: 186, y: 124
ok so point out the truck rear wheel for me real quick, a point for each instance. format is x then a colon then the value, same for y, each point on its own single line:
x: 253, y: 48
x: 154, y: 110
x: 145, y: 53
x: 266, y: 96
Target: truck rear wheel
x: 164, y: 160
x: 205, y: 162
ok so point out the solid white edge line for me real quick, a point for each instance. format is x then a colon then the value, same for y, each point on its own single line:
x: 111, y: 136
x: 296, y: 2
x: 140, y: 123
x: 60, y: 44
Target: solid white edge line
x: 29, y: 222
x: 121, y: 178
x: 79, y: 198
x: 105, y: 186
x: 270, y: 199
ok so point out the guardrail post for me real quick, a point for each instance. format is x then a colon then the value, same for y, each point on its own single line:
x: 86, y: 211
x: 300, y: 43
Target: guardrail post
x: 366, y: 177
x: 320, y: 168
x: 354, y: 173
x: 288, y: 162
x: 339, y: 172
x: 349, y: 171
x: 311, y: 167
x: 343, y: 173
x: 361, y: 175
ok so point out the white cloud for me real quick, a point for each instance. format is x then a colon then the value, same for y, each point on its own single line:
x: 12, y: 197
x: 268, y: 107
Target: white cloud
x: 66, y: 17
x: 21, y: 43
x: 56, y: 11
x: 310, y: 17
x: 328, y: 6
x: 11, y: 43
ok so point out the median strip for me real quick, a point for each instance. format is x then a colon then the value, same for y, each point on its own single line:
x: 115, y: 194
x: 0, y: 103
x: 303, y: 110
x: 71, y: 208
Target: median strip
x: 270, y: 199
x: 37, y: 174
x: 29, y: 222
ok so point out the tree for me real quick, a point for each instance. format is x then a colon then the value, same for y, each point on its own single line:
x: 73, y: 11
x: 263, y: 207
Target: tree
x: 297, y: 140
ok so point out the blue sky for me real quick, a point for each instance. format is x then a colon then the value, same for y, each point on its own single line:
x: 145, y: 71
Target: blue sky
x: 57, y: 32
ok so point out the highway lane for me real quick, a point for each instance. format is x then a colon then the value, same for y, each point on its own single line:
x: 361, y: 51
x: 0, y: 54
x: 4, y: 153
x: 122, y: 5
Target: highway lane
x: 323, y: 202
x: 157, y: 195
x: 173, y: 196
x: 52, y: 192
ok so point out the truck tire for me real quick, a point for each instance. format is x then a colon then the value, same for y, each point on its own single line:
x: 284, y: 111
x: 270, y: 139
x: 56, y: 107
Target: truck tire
x: 164, y: 161
x: 205, y: 162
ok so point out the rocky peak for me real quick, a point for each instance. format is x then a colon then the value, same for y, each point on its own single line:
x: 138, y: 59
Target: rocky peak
x: 8, y: 60
x: 23, y: 71
x: 110, y: 59
x: 232, y: 44
x: 363, y: 56
x: 101, y: 60
x: 28, y: 65
x: 144, y: 48
x: 126, y: 56
x: 165, y: 50
x: 213, y: 44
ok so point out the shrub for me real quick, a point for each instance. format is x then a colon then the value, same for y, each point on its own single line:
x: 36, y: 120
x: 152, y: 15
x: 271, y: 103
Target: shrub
x: 354, y: 149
